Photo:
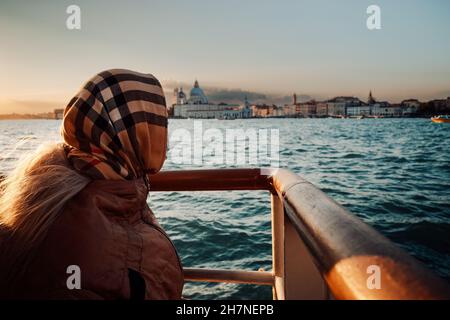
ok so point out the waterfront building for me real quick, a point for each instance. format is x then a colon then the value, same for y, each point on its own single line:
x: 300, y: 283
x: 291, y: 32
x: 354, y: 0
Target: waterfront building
x: 385, y: 109
x: 294, y: 109
x: 278, y: 112
x: 197, y: 106
x: 321, y: 109
x: 439, y: 105
x: 336, y: 108
x: 410, y: 107
x: 260, y: 111
x: 267, y: 111
x: 308, y: 109
x: 359, y: 110
x: 289, y: 110
x: 58, y: 113
x: 338, y: 105
x: 231, y: 113
x: 435, y: 107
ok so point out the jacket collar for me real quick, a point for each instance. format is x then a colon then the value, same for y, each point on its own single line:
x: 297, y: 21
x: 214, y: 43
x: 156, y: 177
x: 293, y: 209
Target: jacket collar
x: 119, y: 197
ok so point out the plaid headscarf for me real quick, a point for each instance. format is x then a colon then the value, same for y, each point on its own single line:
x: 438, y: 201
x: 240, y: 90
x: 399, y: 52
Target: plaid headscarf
x: 116, y: 126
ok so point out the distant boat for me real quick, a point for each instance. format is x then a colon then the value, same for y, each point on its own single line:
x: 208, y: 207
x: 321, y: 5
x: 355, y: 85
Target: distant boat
x: 441, y: 119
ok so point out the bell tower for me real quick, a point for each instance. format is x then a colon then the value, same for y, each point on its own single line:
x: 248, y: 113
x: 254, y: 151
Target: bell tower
x: 371, y: 99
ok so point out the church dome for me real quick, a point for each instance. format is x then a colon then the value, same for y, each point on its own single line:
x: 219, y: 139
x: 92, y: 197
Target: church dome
x: 197, y: 95
x: 197, y: 92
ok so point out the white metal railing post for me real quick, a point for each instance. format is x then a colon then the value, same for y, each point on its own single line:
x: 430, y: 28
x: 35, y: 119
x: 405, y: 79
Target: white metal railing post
x: 278, y: 246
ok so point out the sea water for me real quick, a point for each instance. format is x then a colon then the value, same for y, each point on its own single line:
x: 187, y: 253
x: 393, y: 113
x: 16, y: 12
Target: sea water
x: 394, y: 174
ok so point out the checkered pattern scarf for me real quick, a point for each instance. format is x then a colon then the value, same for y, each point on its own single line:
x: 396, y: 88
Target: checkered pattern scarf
x: 116, y: 126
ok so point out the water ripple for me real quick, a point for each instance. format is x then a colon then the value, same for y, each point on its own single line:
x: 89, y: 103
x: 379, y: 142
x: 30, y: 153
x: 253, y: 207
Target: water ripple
x: 392, y: 173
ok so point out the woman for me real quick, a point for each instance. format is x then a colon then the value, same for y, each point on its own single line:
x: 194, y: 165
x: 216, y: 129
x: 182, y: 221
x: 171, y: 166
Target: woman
x: 74, y: 219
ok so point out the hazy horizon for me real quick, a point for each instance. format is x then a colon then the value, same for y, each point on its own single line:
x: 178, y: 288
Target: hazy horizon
x: 319, y: 49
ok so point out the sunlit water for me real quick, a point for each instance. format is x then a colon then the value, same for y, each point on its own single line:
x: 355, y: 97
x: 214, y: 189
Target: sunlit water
x: 392, y: 173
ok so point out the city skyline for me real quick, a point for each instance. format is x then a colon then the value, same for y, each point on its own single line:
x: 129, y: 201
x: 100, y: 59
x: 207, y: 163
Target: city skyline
x: 218, y: 96
x: 320, y: 49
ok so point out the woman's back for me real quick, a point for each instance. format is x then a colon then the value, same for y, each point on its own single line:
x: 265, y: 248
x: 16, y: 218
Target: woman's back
x: 110, y: 234
x: 75, y: 217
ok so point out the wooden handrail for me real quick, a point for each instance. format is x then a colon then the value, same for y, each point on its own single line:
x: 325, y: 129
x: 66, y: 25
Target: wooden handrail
x: 229, y: 276
x: 344, y: 248
x: 210, y: 180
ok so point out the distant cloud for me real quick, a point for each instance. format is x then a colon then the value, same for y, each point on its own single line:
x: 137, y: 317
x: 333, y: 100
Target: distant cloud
x: 28, y: 106
x: 238, y: 96
x: 218, y: 95
x: 233, y: 95
x: 440, y: 95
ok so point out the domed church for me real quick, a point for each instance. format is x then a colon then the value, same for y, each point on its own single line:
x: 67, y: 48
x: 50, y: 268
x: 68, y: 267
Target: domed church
x: 197, y: 95
x: 197, y: 106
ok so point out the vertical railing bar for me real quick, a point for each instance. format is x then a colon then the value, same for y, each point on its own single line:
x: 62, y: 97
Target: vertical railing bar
x: 278, y: 246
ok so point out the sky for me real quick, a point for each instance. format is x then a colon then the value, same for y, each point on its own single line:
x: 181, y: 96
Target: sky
x: 317, y: 48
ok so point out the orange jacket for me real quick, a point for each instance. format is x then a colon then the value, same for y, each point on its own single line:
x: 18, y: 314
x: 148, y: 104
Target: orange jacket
x: 110, y: 233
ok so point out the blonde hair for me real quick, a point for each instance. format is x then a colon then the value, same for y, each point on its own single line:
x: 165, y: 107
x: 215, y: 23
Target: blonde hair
x: 31, y: 198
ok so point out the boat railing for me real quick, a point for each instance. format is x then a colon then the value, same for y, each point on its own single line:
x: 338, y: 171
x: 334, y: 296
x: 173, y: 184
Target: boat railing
x: 319, y: 249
